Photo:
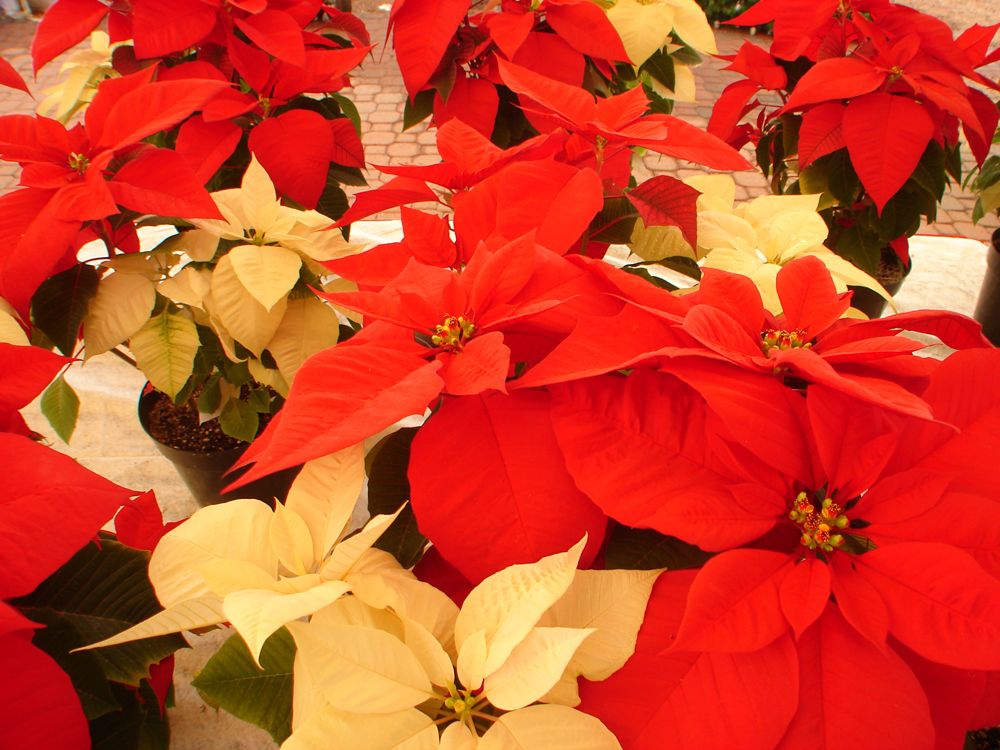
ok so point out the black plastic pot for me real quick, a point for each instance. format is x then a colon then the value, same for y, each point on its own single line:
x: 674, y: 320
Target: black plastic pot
x: 205, y: 473
x: 988, y: 304
x: 870, y: 302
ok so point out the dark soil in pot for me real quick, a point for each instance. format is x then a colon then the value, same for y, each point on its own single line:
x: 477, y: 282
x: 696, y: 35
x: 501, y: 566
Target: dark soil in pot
x: 202, y: 453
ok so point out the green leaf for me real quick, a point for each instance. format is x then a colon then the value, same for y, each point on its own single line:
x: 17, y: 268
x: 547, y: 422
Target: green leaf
x: 643, y: 273
x: 615, y: 222
x: 388, y: 490
x: 239, y: 420
x: 260, y: 400
x: 660, y: 66
x: 861, y: 247
x: 841, y: 177
x: 350, y: 111
x: 333, y: 202
x: 61, y: 407
x: 419, y: 109
x: 60, y: 304
x: 347, y: 175
x: 83, y: 667
x: 102, y: 590
x: 263, y: 697
x: 645, y: 549
x: 138, y: 726
x: 386, y: 465
x: 165, y: 350
x: 211, y: 396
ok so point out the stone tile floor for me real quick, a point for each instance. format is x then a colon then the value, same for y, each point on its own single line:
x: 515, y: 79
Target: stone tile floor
x: 110, y: 441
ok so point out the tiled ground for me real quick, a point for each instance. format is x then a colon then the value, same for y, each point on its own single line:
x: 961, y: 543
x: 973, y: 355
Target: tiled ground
x: 379, y: 95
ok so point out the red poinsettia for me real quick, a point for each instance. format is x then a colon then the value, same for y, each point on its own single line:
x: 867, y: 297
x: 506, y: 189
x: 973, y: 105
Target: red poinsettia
x: 50, y: 506
x: 433, y: 330
x: 85, y: 173
x: 866, y: 556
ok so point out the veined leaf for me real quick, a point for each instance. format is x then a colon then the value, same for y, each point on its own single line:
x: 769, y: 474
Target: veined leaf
x: 120, y: 307
x: 267, y: 272
x: 60, y: 303
x: 360, y: 669
x: 533, y: 667
x: 548, y: 728
x: 308, y: 326
x: 242, y: 316
x: 61, y: 406
x: 103, y: 590
x: 164, y: 349
x: 259, y: 695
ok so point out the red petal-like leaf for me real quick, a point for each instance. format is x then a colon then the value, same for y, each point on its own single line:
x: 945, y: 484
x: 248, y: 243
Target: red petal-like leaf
x: 804, y: 593
x: 164, y: 26
x: 757, y: 64
x: 396, y: 192
x: 953, y: 695
x: 206, y: 145
x: 295, y: 148
x: 11, y: 78
x: 845, y: 675
x: 428, y: 237
x: 139, y: 523
x: 340, y: 397
x: 663, y: 699
x: 835, y: 78
x: 809, y: 299
x: 586, y: 28
x: 734, y: 604
x: 276, y: 33
x: 729, y: 109
x: 509, y: 30
x: 154, y: 107
x: 482, y: 365
x: 493, y: 488
x: 47, y: 496
x: 666, y: 201
x: 422, y: 31
x: 474, y: 101
x: 570, y: 102
x: 941, y: 602
x: 821, y: 132
x: 160, y: 181
x: 27, y: 370
x: 886, y: 135
x: 347, y: 148
x: 685, y: 141
x: 640, y: 448
x: 41, y: 708
x: 64, y: 24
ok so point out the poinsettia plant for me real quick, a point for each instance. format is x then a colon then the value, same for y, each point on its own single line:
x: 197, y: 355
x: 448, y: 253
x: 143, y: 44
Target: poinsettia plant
x: 168, y: 109
x: 449, y: 53
x: 862, y: 101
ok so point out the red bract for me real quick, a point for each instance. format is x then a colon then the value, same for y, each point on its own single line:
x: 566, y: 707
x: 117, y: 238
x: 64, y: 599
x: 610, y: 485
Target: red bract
x: 84, y: 173
x: 882, y: 565
x: 50, y: 507
x: 439, y: 47
x: 433, y: 331
x: 809, y: 342
x: 27, y: 370
x: 884, y: 82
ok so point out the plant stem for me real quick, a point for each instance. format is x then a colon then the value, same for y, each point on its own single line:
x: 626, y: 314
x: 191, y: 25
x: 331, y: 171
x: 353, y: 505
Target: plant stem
x: 124, y: 357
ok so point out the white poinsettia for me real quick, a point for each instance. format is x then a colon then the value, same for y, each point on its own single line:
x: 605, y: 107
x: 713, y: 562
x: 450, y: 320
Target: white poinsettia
x: 645, y: 25
x: 81, y: 73
x: 374, y: 678
x: 258, y: 569
x: 754, y: 239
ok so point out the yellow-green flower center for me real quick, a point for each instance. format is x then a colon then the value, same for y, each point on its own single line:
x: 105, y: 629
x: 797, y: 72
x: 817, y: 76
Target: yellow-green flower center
x: 78, y: 162
x: 453, y: 333
x: 819, y: 526
x: 777, y: 339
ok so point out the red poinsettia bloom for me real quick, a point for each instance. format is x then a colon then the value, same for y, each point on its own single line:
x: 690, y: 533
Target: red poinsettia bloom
x: 84, y: 173
x: 433, y: 330
x: 809, y: 342
x: 50, y: 506
x: 879, y: 561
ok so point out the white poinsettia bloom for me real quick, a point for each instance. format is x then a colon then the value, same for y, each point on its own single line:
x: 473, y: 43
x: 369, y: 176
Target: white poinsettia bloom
x: 242, y: 562
x: 81, y: 74
x: 498, y: 674
x: 755, y: 238
x: 645, y: 25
